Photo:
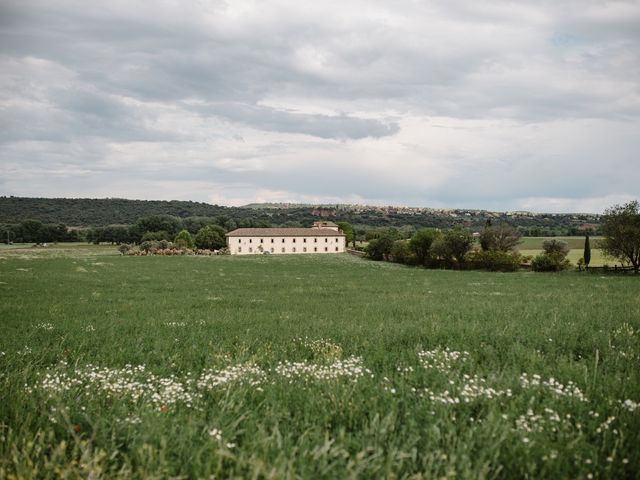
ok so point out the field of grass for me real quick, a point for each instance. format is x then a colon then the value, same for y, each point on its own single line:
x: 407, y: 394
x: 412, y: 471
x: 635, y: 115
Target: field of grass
x: 312, y: 367
x: 532, y: 246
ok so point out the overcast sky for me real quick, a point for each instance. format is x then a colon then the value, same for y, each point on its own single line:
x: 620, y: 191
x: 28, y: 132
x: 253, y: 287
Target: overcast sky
x: 503, y: 105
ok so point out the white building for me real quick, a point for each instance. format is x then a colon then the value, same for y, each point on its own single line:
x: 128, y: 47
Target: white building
x: 323, y: 237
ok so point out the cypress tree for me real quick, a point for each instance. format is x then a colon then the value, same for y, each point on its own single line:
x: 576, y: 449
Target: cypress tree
x: 587, y: 251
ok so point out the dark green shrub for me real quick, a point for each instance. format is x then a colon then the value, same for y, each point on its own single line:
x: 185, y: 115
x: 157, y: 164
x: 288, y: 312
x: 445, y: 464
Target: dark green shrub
x: 495, y: 261
x: 549, y: 263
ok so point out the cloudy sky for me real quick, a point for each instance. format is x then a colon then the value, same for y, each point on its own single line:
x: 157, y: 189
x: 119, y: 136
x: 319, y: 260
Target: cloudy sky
x: 503, y: 105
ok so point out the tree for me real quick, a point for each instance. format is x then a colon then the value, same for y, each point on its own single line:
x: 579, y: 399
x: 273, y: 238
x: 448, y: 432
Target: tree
x: 420, y: 244
x: 195, y: 224
x: 156, y: 236
x: 400, y: 251
x: 621, y: 231
x: 32, y: 231
x: 554, y: 257
x: 380, y: 248
x: 184, y: 239
x: 347, y: 229
x: 159, y: 223
x: 211, y: 237
x: 587, y: 252
x: 502, y: 238
x: 555, y: 248
x: 458, y: 242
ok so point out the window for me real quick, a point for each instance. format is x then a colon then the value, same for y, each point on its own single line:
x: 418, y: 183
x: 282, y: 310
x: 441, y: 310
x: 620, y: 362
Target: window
x: 283, y: 240
x: 271, y: 249
x: 294, y: 240
x: 315, y: 240
x: 326, y: 249
x: 304, y: 249
x: 294, y: 249
x: 304, y: 240
x: 262, y: 240
x: 315, y: 249
x: 283, y: 250
x: 336, y: 249
x: 272, y: 240
x: 336, y: 240
x: 249, y: 240
x: 326, y: 240
x: 239, y: 240
x: 239, y: 249
x: 250, y: 249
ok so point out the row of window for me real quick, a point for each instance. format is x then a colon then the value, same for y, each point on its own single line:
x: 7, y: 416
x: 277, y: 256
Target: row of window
x: 293, y: 250
x: 304, y: 240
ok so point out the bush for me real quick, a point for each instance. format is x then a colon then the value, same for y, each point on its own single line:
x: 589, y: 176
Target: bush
x: 184, y: 240
x: 149, y: 245
x: 496, y: 261
x: 549, y: 263
x: 124, y: 248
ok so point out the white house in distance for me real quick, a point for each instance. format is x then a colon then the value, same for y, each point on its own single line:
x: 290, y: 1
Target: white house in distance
x: 323, y: 237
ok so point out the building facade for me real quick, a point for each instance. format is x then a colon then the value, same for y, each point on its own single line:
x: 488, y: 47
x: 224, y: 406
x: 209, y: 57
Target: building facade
x: 323, y: 237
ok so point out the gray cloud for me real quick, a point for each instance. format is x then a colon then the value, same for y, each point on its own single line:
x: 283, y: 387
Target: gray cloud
x: 276, y: 97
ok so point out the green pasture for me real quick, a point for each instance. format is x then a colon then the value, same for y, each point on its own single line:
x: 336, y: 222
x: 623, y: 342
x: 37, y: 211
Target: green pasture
x: 312, y: 367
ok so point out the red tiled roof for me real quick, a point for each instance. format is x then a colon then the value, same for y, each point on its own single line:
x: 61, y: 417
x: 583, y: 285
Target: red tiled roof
x: 285, y: 232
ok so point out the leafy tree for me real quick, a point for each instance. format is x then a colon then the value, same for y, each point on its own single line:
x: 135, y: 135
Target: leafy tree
x: 501, y: 238
x: 160, y: 223
x: 156, y: 236
x: 184, y: 239
x: 458, y: 242
x: 32, y: 231
x: 347, y: 229
x: 400, y: 251
x: 555, y: 248
x: 587, y: 252
x: 211, y: 237
x: 391, y: 233
x: 380, y: 248
x: 621, y: 231
x: 420, y: 244
x: 554, y: 257
x: 195, y: 224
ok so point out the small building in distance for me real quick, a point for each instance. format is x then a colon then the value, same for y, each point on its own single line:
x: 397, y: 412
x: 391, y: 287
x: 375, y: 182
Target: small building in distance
x: 322, y: 237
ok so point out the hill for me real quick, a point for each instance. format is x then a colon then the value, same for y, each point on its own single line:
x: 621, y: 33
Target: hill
x: 85, y: 212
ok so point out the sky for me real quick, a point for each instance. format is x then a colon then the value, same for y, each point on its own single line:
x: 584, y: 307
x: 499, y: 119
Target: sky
x: 501, y: 105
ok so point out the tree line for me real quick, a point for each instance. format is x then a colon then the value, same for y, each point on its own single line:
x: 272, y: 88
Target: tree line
x: 114, y: 211
x: 495, y: 247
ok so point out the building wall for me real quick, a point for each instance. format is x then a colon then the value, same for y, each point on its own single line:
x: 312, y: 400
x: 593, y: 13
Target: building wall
x: 285, y: 245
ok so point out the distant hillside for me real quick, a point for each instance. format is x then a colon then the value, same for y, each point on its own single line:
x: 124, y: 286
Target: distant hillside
x: 114, y: 211
x: 98, y: 211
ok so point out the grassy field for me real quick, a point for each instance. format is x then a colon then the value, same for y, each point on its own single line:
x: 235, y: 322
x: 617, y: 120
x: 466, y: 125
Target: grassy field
x: 532, y: 246
x: 312, y: 367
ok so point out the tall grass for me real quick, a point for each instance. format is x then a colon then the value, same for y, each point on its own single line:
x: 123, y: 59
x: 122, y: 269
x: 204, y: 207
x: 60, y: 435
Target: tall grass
x: 312, y: 366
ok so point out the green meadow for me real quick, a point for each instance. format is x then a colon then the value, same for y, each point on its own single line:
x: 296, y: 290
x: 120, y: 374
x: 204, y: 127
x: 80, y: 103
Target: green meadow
x: 312, y: 367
